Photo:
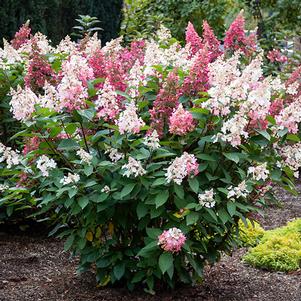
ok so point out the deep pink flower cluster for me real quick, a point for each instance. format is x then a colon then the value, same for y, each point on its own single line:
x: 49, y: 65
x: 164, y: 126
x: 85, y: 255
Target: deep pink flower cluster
x: 172, y: 240
x: 181, y: 122
x: 166, y: 101
x: 31, y: 145
x: 211, y: 42
x: 198, y: 78
x: 236, y: 38
x: 193, y: 39
x: 22, y: 36
x: 276, y: 56
x: 39, y: 71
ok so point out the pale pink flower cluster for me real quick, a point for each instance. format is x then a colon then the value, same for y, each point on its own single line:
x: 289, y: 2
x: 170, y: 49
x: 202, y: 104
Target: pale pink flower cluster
x: 206, y: 199
x: 135, y: 79
x: 241, y: 190
x: 66, y: 46
x: 290, y: 117
x: 9, y: 56
x: 9, y: 156
x: 114, y: 155
x: 259, y: 172
x: 45, y: 164
x: 182, y: 167
x: 172, y: 240
x: 128, y: 121
x: 291, y: 155
x: 181, y: 122
x: 133, y: 168
x: 152, y: 140
x: 72, y: 90
x: 84, y: 156
x: 70, y: 179
x: 233, y: 130
x: 23, y: 103
x: 107, y: 103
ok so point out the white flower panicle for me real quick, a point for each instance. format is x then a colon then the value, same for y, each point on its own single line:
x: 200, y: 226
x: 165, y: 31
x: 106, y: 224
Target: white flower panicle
x: 182, y: 167
x: 23, y: 103
x: 259, y: 172
x: 9, y: 156
x: 106, y: 189
x: 3, y: 187
x: 240, y: 191
x: 128, y: 121
x: 45, y: 164
x: 291, y: 157
x: 206, y: 199
x: 70, y: 179
x: 114, y: 155
x: 133, y: 168
x: 84, y: 156
x: 152, y: 141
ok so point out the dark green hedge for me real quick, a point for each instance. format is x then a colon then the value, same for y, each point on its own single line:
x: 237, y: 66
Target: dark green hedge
x: 55, y: 18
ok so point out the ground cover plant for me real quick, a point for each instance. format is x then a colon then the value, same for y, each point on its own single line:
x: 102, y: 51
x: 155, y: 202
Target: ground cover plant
x: 150, y: 154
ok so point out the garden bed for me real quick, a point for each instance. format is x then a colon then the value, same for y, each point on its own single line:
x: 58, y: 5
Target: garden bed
x: 36, y: 268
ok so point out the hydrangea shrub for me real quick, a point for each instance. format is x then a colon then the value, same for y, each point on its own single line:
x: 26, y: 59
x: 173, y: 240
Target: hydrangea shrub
x: 151, y: 154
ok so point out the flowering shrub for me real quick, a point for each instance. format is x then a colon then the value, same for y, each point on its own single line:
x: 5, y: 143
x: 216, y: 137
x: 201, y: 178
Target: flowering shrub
x: 151, y: 154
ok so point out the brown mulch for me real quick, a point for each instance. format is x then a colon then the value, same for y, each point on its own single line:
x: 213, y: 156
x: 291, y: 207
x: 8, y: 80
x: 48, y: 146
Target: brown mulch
x: 36, y: 268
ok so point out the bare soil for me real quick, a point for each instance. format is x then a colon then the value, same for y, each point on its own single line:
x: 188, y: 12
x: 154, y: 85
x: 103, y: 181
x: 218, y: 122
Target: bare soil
x: 35, y: 268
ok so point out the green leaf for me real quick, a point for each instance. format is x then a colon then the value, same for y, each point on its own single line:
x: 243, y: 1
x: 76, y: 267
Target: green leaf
x: 127, y: 189
x: 165, y: 261
x: 119, y: 270
x: 153, y: 232
x: 68, y: 145
x: 265, y: 134
x: 161, y: 198
x: 141, y: 210
x: 159, y: 181
x: 231, y: 207
x: 293, y: 137
x: 69, y: 242
x: 223, y: 215
x: 179, y: 191
x: 192, y: 218
x: 232, y: 156
x: 83, y: 202
x: 194, y: 184
x: 206, y: 157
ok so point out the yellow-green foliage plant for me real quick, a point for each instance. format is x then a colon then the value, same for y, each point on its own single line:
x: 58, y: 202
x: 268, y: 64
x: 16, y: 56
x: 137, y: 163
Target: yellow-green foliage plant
x: 279, y: 249
x: 250, y: 234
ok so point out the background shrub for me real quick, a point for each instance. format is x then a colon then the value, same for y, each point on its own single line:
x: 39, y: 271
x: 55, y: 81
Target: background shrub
x: 279, y: 249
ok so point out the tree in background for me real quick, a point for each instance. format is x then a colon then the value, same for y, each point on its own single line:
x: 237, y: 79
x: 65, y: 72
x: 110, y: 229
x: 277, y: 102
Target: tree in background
x: 56, y: 18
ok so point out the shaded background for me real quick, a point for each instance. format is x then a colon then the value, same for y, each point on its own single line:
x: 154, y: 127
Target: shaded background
x: 55, y: 18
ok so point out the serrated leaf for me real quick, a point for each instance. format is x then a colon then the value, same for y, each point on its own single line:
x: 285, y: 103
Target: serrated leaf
x: 83, y: 202
x: 231, y: 207
x: 119, y: 270
x: 161, y: 198
x: 165, y: 261
x: 127, y: 189
x: 194, y: 184
x: 192, y: 218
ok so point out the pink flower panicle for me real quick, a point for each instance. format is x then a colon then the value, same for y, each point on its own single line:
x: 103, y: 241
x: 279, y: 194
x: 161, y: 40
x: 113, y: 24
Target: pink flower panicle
x: 39, y: 71
x: 165, y: 102
x: 276, y: 56
x: 172, y: 240
x: 31, y: 145
x: 236, y: 38
x: 22, y: 36
x: 181, y: 122
x: 198, y: 78
x: 211, y: 42
x: 193, y: 39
